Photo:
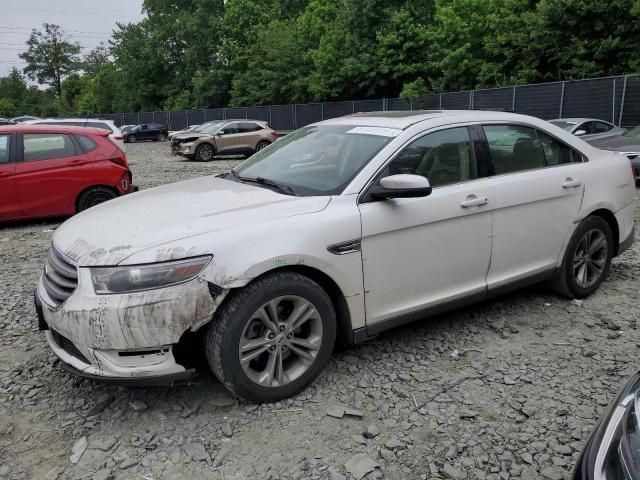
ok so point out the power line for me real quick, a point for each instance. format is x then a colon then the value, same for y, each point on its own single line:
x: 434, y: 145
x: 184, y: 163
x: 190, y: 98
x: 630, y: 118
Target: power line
x: 75, y: 31
x: 69, y: 12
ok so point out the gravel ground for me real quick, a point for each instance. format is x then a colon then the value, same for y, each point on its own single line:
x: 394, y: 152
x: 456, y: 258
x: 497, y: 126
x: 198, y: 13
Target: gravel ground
x: 507, y: 388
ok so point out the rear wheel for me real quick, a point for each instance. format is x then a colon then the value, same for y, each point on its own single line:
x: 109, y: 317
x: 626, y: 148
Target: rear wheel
x: 204, y: 152
x: 162, y: 137
x: 131, y: 139
x: 587, y: 259
x: 94, y: 196
x: 261, y: 145
x: 272, y: 338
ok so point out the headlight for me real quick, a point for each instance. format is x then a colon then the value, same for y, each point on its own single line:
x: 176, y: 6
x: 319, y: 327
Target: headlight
x: 613, y: 451
x: 146, y: 277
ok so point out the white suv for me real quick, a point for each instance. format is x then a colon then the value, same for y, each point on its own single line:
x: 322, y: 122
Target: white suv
x: 115, y: 136
x: 345, y: 228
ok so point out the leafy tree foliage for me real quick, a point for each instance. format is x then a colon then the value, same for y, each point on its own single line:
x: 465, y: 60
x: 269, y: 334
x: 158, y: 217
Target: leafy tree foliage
x: 210, y: 53
x: 50, y: 56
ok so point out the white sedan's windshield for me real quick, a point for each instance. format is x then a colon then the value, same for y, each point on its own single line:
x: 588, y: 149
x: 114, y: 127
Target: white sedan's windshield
x: 317, y: 160
x: 564, y: 124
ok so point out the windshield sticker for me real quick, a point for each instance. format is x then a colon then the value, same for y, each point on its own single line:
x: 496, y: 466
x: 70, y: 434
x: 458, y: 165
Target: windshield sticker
x: 379, y: 131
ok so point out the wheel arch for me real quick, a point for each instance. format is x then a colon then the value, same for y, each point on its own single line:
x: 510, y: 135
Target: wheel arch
x: 76, y: 202
x: 608, y: 216
x: 332, y: 289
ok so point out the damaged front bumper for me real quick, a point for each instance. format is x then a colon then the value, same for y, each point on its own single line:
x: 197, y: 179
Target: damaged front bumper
x: 125, y: 338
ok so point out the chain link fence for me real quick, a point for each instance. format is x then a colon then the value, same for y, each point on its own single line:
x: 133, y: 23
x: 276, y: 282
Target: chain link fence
x: 614, y: 99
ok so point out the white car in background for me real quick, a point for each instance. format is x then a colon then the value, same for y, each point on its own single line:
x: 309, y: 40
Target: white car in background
x: 344, y: 228
x: 115, y: 136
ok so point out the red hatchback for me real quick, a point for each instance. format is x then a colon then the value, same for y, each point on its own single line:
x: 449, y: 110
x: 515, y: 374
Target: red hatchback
x: 52, y: 170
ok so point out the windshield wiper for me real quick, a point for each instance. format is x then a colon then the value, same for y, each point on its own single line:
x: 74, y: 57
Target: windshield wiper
x: 286, y: 189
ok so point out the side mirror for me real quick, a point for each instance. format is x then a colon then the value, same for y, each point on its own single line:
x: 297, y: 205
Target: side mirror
x: 579, y: 133
x: 401, y: 186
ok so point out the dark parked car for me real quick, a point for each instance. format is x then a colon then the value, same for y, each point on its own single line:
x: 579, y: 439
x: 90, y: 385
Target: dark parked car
x: 627, y: 145
x: 612, y: 452
x: 147, y: 131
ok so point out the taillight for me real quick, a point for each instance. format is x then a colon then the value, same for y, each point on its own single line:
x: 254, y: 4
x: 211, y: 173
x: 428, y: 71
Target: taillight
x: 119, y: 158
x: 273, y: 133
x: 634, y: 170
x: 118, y: 137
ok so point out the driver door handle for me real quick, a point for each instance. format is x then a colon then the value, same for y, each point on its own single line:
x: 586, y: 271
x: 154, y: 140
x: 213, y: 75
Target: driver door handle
x: 571, y: 183
x: 473, y: 201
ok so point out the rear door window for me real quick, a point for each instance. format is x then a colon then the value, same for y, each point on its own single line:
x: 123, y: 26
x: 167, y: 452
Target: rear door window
x: 46, y: 146
x: 5, y: 152
x: 513, y: 148
x: 249, y: 127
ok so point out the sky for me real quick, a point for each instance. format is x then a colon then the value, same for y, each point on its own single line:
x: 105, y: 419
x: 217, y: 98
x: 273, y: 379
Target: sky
x: 87, y: 22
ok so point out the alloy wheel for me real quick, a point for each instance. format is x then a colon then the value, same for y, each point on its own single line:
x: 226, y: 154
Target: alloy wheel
x: 280, y: 341
x: 205, y: 152
x: 590, y: 258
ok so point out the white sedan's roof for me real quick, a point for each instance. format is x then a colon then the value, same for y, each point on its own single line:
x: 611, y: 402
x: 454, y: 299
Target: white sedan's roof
x: 404, y: 119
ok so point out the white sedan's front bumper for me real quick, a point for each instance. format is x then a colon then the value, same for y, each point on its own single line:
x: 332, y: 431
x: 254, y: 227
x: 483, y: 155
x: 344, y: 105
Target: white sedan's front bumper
x: 124, y: 337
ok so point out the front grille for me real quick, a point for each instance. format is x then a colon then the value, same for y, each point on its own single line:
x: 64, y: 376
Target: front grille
x: 60, y: 278
x: 68, y: 346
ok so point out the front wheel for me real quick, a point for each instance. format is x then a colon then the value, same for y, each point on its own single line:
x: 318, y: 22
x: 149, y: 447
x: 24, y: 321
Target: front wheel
x: 162, y: 137
x: 204, y: 152
x: 587, y: 259
x: 272, y: 338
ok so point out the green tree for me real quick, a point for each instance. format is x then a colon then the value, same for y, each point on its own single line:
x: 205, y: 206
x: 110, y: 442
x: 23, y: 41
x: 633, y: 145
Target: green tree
x: 96, y: 59
x: 50, y: 56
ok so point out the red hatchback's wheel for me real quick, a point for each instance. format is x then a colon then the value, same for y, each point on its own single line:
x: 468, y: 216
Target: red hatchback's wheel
x: 94, y: 196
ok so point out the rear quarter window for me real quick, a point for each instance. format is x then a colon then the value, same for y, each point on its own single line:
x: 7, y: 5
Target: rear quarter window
x: 86, y: 143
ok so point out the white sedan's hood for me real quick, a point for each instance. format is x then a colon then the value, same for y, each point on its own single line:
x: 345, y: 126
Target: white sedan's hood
x: 109, y: 233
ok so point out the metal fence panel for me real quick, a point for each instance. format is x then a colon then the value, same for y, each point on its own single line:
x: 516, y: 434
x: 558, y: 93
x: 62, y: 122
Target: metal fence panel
x: 214, y: 114
x: 541, y: 100
x: 234, y: 113
x: 307, y: 113
x: 259, y: 113
x: 178, y: 120
x: 456, y: 101
x: 617, y: 103
x: 631, y: 107
x: 428, y: 102
x: 130, y: 119
x: 161, y: 117
x: 282, y: 117
x: 146, y: 117
x: 195, y: 117
x: 494, y: 99
x: 337, y: 109
x: 398, y: 104
x: 588, y: 98
x: 367, y: 105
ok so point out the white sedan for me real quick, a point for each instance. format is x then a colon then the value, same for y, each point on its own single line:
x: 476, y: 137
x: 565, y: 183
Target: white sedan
x: 344, y: 228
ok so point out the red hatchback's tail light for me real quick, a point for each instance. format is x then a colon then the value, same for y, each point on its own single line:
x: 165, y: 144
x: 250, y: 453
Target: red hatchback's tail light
x: 119, y: 158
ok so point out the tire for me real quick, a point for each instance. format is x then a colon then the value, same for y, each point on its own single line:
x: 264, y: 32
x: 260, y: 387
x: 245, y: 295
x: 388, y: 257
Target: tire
x: 205, y: 152
x: 162, y: 137
x: 236, y: 324
x: 261, y: 145
x: 131, y: 139
x: 581, y: 275
x: 94, y: 196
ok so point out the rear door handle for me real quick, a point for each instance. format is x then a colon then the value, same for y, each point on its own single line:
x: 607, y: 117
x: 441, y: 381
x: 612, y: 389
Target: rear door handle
x: 77, y: 162
x: 4, y: 174
x: 571, y: 183
x: 473, y: 201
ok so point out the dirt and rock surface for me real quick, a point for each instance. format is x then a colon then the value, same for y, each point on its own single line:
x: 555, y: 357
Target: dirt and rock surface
x: 509, y: 388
